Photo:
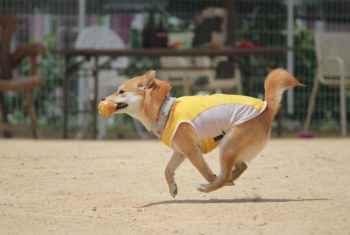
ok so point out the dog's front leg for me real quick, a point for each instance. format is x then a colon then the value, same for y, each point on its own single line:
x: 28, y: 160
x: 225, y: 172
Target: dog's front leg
x: 173, y: 164
x: 186, y: 142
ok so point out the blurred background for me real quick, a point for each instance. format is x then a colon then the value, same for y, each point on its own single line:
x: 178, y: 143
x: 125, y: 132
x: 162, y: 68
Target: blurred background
x: 58, y: 25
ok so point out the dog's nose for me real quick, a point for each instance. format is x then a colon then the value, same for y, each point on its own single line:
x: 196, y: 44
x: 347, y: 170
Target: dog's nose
x: 104, y: 98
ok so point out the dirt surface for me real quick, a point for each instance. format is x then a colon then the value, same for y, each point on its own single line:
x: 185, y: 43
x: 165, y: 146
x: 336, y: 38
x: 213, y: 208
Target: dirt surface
x: 118, y: 187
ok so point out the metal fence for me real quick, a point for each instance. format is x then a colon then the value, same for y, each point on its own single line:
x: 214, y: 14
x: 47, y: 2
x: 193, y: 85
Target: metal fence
x: 56, y: 23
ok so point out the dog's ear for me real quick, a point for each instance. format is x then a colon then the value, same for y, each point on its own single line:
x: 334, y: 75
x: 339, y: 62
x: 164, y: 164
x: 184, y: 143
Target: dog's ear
x: 155, y: 96
x: 148, y: 80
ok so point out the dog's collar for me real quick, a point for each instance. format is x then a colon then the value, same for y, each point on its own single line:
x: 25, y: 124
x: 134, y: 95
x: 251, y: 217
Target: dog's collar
x: 163, y: 116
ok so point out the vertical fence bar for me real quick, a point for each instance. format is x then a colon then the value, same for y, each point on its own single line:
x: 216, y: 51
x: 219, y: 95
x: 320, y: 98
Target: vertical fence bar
x: 94, y: 110
x: 66, y: 94
x: 290, y: 53
x: 82, y: 14
x: 82, y: 81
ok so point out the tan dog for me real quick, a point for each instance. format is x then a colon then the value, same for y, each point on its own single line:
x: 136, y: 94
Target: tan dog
x: 145, y: 98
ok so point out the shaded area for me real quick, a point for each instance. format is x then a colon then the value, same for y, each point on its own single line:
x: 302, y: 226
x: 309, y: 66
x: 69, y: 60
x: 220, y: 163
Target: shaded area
x: 237, y: 200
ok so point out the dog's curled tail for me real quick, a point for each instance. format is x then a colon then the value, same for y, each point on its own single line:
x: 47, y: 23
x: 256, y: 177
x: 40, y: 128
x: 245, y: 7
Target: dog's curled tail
x: 276, y: 82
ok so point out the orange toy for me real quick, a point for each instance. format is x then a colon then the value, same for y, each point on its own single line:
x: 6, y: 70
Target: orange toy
x: 106, y: 108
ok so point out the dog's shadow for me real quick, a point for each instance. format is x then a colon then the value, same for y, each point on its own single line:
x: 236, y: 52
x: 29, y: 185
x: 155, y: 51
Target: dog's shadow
x: 230, y: 201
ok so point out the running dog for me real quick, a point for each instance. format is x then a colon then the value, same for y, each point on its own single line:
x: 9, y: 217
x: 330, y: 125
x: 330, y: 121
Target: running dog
x: 195, y: 125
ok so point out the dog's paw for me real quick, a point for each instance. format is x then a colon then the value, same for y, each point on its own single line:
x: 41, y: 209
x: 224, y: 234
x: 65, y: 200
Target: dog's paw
x: 173, y: 190
x: 229, y: 183
x: 202, y: 188
x: 212, y: 178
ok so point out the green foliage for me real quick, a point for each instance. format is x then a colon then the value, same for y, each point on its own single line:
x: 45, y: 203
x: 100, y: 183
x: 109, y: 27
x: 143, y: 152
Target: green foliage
x: 51, y: 68
x: 304, y: 68
x: 261, y: 22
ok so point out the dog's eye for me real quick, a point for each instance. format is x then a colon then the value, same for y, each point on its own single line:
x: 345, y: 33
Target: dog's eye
x: 121, y: 92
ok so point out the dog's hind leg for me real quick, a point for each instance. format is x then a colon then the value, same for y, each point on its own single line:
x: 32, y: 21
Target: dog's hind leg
x: 239, y: 145
x: 240, y: 167
x: 186, y: 142
x: 173, y: 164
x: 225, y: 178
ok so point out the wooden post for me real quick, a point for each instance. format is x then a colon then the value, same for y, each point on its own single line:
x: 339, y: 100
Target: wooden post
x: 31, y: 112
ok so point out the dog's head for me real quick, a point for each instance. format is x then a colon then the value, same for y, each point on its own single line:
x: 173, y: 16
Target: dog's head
x: 140, y: 97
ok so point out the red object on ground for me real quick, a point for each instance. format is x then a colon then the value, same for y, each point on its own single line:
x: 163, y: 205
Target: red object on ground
x: 306, y: 134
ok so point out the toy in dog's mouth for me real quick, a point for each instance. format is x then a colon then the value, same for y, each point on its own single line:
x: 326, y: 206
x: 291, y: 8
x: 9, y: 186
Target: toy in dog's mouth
x: 107, y: 108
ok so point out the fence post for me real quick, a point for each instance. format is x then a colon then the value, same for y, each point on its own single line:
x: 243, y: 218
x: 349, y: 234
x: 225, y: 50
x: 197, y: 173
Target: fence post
x: 290, y: 53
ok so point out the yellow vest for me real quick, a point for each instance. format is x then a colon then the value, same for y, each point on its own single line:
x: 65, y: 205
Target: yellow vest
x: 187, y: 108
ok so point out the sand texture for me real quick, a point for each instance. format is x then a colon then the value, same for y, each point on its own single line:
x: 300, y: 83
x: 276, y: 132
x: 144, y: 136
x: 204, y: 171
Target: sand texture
x: 118, y: 187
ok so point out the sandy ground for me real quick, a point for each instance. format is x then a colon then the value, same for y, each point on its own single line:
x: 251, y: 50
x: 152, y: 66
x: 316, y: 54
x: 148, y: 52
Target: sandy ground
x: 117, y: 187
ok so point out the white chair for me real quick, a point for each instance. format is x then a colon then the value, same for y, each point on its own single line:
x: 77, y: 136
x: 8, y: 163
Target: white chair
x: 97, y: 37
x: 232, y: 78
x: 231, y: 81
x: 333, y: 69
x: 183, y: 71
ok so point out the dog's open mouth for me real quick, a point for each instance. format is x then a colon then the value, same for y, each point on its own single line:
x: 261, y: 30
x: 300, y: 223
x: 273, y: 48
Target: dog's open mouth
x: 121, y: 106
